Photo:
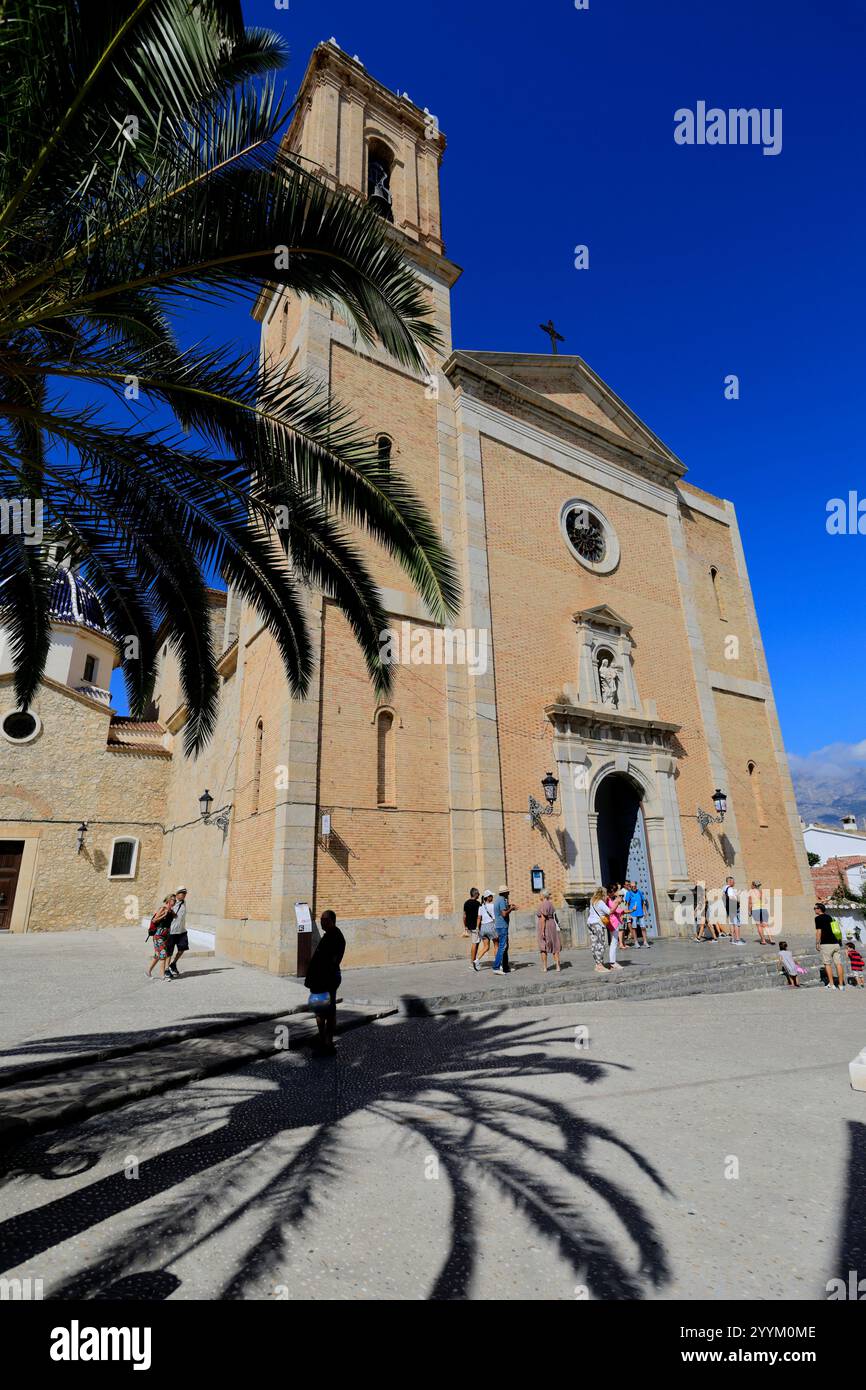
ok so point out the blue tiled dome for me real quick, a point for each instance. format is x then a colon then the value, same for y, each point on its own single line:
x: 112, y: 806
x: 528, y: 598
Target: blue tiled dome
x: 73, y: 601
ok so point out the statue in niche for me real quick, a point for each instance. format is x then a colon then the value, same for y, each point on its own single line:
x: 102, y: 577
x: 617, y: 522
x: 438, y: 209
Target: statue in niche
x: 608, y: 681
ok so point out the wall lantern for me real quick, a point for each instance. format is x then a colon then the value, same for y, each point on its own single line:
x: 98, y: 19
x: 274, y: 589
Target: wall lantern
x: 82, y: 834
x: 720, y: 801
x: 536, y: 876
x: 220, y: 819
x: 550, y: 786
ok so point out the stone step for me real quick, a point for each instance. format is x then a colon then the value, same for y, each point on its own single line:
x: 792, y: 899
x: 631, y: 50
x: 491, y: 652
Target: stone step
x: 710, y: 977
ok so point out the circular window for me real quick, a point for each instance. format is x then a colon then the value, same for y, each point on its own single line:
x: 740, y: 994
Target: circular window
x: 590, y: 536
x: 20, y: 726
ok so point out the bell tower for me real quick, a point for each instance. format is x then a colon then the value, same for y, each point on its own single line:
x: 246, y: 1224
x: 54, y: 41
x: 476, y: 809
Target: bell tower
x: 368, y: 140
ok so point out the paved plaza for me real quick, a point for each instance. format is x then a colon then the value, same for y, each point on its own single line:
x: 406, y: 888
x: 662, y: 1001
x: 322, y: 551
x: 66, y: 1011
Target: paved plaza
x: 695, y: 1148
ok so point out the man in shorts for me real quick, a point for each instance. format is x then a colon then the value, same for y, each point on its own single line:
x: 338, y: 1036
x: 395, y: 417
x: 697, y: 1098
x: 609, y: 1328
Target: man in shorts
x: 829, y: 947
x: 471, y: 909
x: 178, y: 941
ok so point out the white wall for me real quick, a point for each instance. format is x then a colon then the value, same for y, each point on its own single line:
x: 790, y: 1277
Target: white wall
x: 832, y: 843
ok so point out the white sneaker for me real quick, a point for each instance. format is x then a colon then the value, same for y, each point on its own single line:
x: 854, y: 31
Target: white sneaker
x: 475, y: 965
x: 498, y: 972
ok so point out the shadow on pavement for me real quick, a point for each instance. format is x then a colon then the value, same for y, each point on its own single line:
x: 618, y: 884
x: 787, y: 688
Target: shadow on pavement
x: 461, y: 1085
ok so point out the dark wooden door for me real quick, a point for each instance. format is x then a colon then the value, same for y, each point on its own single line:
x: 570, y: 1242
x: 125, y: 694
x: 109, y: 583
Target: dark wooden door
x: 10, y: 866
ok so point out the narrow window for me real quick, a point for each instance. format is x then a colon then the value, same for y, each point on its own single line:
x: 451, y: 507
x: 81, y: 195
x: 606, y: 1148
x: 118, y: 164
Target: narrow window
x: 717, y: 590
x: 386, y: 773
x: 383, y: 451
x: 285, y: 326
x: 124, y: 858
x: 257, y: 765
x: 91, y: 666
x: 755, y: 781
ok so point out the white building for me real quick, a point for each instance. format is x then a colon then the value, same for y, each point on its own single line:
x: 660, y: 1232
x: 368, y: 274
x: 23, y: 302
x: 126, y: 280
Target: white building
x: 830, y: 842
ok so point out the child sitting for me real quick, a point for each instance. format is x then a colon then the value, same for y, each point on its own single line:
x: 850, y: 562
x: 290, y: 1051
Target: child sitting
x: 790, y: 969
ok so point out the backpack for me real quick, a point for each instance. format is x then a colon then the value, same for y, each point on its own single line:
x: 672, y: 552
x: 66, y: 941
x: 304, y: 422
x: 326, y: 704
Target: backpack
x: 835, y: 928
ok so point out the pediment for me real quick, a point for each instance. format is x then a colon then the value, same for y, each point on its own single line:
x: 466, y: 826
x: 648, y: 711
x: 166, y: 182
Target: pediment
x: 602, y: 616
x: 575, y: 389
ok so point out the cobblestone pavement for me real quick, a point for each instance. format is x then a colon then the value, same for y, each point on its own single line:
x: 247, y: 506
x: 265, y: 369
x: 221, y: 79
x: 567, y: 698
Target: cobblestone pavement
x: 685, y: 1149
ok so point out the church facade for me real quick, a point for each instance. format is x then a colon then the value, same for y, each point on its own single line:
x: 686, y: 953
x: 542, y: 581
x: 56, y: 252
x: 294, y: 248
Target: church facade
x: 607, y: 637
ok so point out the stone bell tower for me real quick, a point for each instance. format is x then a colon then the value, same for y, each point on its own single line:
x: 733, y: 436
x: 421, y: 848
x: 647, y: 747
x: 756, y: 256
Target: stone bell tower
x: 366, y: 139
x: 379, y: 146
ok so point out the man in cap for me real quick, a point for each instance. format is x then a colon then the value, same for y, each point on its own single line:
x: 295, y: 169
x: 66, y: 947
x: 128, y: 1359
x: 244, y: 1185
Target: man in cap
x: 178, y: 941
x: 502, y: 910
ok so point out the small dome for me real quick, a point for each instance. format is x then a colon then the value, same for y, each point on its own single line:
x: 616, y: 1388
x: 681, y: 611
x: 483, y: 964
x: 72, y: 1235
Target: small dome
x: 74, y: 601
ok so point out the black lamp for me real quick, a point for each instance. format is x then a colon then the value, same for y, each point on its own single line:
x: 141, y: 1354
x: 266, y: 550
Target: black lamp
x: 720, y: 801
x: 82, y: 832
x: 205, y: 802
x: 550, y: 785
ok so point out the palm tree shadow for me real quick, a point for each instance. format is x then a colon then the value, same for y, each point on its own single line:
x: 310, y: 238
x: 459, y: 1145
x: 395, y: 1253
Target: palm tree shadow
x: 471, y: 1076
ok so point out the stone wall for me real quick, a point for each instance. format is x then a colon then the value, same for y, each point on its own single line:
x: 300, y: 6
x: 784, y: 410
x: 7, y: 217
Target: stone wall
x: 68, y: 774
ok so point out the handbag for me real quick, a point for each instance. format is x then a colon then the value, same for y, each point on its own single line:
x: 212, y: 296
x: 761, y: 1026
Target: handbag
x: 320, y: 1001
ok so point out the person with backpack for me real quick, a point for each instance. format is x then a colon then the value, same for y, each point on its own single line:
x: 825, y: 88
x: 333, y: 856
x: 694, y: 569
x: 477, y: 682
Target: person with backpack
x: 828, y: 943
x: 158, y: 933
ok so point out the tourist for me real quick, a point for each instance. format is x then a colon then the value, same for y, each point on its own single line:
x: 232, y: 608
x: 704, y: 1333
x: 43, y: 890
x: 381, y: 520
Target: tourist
x: 596, y: 925
x: 158, y: 934
x: 471, y: 909
x: 178, y: 941
x: 855, y: 961
x: 502, y: 910
x: 790, y: 969
x: 758, y: 912
x: 732, y: 910
x: 829, y: 946
x: 713, y: 911
x: 613, y: 905
x: 486, y: 927
x: 547, y: 931
x: 637, y: 911
x: 324, y: 977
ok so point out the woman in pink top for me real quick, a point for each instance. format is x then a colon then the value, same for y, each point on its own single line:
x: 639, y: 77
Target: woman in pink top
x: 614, y: 922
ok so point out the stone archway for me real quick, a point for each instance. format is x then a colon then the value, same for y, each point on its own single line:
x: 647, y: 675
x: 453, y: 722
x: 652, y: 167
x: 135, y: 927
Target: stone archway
x: 621, y: 835
x: 617, y: 806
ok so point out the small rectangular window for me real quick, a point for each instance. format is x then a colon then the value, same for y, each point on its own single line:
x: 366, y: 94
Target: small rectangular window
x: 124, y: 854
x: 91, y: 666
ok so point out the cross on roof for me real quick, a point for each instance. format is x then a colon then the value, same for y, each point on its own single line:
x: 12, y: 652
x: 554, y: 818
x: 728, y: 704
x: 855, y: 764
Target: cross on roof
x: 554, y: 336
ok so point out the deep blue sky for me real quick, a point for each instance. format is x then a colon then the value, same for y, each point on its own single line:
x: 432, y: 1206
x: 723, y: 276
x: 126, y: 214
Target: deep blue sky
x: 703, y: 261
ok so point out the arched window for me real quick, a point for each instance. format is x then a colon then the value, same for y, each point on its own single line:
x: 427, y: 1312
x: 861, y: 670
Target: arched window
x: 386, y: 761
x: 755, y: 781
x: 124, y: 857
x: 717, y: 590
x: 380, y: 162
x: 257, y: 765
x: 383, y: 451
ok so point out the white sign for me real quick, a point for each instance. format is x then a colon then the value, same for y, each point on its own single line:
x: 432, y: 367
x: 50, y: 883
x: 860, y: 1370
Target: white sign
x: 326, y: 826
x: 302, y: 917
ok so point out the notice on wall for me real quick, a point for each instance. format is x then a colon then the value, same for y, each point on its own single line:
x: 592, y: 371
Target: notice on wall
x: 303, y: 917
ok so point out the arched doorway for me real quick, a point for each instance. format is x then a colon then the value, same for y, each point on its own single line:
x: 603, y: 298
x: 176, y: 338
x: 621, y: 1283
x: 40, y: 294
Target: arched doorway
x: 622, y: 845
